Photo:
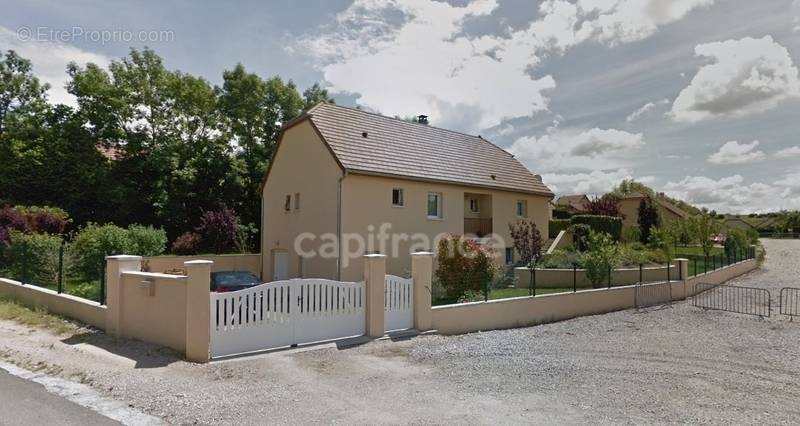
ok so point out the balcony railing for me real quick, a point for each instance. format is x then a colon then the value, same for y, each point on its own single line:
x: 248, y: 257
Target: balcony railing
x: 478, y: 226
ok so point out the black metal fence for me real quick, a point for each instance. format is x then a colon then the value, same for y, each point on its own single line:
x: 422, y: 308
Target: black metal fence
x: 652, y: 294
x: 743, y: 300
x: 790, y: 301
x: 704, y: 264
x: 55, y: 268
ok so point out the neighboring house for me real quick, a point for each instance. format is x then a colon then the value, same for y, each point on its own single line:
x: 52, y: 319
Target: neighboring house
x: 575, y: 203
x: 734, y: 222
x: 629, y: 207
x: 340, y: 172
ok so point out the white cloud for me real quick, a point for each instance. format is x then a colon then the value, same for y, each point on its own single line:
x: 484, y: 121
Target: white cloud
x: 597, y: 182
x: 745, y: 76
x: 645, y: 109
x: 50, y: 61
x: 593, y: 149
x: 792, y: 151
x: 407, y: 57
x: 733, y: 152
x: 732, y: 194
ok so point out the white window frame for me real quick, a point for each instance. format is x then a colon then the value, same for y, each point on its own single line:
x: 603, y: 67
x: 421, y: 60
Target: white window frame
x: 439, y: 203
x: 524, y: 204
x: 477, y: 208
x: 401, y: 197
x: 297, y: 201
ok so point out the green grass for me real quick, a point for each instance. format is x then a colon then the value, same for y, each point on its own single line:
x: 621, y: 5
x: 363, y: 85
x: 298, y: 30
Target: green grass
x: 38, y: 317
x: 505, y: 293
x: 697, y: 251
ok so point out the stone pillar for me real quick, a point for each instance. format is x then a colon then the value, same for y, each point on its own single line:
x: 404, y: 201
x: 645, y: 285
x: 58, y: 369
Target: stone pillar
x: 422, y: 275
x: 683, y: 273
x: 115, y: 266
x: 374, y: 280
x: 198, y: 309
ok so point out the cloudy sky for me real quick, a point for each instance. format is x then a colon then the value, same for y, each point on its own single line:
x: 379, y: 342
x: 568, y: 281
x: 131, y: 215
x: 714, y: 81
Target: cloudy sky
x: 698, y: 98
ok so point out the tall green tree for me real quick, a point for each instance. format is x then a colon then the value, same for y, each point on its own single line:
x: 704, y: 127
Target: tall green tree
x: 22, y: 96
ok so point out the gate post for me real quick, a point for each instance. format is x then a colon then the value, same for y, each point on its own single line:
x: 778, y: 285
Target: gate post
x: 683, y: 275
x: 116, y: 265
x: 374, y: 281
x: 198, y: 309
x: 422, y: 276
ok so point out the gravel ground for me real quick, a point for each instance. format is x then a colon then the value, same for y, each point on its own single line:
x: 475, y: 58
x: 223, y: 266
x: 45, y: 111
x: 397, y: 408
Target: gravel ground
x: 674, y: 364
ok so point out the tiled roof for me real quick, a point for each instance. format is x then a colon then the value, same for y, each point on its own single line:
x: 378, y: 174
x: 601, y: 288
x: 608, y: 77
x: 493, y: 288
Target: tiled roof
x: 369, y: 143
x: 575, y: 201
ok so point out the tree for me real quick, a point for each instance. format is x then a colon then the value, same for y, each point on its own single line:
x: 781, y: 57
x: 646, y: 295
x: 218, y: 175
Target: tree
x: 791, y: 222
x: 608, y: 205
x: 528, y: 244
x: 464, y: 266
x: 314, y: 95
x: 704, y: 228
x: 649, y: 217
x: 602, y: 257
x: 21, y: 94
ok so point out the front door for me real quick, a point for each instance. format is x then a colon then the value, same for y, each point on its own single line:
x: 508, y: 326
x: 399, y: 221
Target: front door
x: 280, y: 265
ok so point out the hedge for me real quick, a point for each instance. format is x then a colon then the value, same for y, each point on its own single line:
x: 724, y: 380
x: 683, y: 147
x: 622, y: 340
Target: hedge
x: 557, y: 225
x: 608, y: 224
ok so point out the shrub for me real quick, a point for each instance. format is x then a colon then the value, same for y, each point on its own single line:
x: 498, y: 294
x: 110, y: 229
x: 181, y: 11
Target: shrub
x: 631, y: 234
x: 220, y: 231
x: 146, y: 240
x: 663, y: 238
x: 629, y: 255
x: 561, y: 212
x: 557, y: 225
x: 608, y: 205
x: 33, y: 258
x: 93, y: 243
x: 465, y: 267
x: 186, y: 244
x: 604, y: 224
x: 527, y: 241
x: 735, y: 242
x: 601, y: 258
x: 45, y: 220
x: 560, y: 259
x: 580, y: 236
x: 13, y: 220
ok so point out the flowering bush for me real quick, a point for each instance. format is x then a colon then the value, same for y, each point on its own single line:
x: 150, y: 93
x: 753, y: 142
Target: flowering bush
x: 186, y: 244
x: 220, y: 231
x: 465, y: 267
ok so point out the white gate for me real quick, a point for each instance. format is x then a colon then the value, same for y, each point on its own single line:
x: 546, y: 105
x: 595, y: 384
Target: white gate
x: 283, y: 313
x: 398, y: 303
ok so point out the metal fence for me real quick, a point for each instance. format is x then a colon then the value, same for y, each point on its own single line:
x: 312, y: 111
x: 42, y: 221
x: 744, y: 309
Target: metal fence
x: 652, y: 294
x: 54, y: 267
x: 790, y: 301
x: 742, y: 300
x: 705, y: 264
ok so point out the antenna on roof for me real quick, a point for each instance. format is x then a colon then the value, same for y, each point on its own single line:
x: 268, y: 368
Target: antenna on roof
x: 422, y: 119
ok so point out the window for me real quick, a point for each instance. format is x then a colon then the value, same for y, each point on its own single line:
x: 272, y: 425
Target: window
x: 509, y: 255
x: 287, y: 205
x: 435, y: 205
x: 522, y: 208
x: 473, y: 205
x: 297, y: 201
x: 397, y: 197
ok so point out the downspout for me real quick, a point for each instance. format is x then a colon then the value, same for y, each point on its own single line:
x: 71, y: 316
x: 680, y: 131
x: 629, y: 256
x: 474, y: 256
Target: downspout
x: 339, y: 225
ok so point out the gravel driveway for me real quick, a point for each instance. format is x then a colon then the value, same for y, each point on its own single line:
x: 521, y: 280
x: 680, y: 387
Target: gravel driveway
x: 675, y: 364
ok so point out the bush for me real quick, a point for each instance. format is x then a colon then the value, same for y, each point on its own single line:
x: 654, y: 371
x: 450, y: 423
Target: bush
x: 220, y: 231
x: 631, y: 234
x: 465, y: 267
x: 45, y: 220
x: 13, y: 220
x: 557, y: 225
x: 33, y: 258
x: 146, y: 240
x: 580, y: 236
x: 561, y: 212
x: 601, y: 258
x: 560, y: 259
x: 735, y: 242
x: 649, y: 217
x: 186, y: 244
x: 93, y: 243
x: 604, y: 224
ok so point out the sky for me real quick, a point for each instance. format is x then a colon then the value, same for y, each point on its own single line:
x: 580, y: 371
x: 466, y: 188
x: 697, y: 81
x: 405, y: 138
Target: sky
x: 696, y: 98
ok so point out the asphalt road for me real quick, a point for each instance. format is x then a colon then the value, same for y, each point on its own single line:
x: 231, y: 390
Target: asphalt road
x: 23, y: 402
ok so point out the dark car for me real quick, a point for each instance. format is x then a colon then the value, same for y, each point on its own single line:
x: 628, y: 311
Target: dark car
x: 225, y: 281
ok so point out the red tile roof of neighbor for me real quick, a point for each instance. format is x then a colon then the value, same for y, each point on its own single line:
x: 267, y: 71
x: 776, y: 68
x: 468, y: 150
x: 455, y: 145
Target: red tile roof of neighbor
x: 574, y: 201
x: 369, y: 143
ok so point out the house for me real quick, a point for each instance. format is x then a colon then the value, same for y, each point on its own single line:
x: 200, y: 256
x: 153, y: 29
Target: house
x: 344, y: 182
x: 575, y: 203
x: 629, y: 207
x: 735, y: 222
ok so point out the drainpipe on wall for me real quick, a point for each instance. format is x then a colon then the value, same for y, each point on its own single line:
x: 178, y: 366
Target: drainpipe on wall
x: 339, y: 225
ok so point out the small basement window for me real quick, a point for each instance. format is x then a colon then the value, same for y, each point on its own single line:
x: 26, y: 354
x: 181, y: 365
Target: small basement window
x: 397, y: 197
x: 287, y: 205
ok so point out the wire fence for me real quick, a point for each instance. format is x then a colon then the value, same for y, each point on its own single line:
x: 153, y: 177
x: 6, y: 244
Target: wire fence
x: 54, y: 267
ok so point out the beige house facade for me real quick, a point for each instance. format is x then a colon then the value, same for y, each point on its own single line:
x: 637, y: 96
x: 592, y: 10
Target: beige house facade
x: 629, y: 207
x: 345, y: 182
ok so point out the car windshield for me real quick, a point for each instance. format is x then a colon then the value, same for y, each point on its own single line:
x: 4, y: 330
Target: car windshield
x: 234, y: 279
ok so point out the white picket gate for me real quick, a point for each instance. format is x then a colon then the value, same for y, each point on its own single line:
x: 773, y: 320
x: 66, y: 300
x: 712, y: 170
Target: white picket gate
x: 398, y: 303
x: 284, y: 313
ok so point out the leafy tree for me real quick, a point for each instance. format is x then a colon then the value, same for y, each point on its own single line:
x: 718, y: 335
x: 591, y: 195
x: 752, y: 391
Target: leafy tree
x: 649, y: 218
x: 602, y: 256
x: 791, y: 222
x: 607, y: 205
x: 314, y: 95
x: 21, y: 94
x: 735, y: 242
x: 704, y: 227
